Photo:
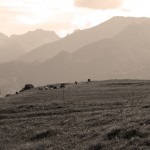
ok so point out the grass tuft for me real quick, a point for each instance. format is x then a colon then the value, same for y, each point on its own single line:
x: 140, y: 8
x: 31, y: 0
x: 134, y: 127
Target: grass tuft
x: 113, y: 134
x: 145, y: 122
x: 44, y: 135
x: 97, y: 146
x: 124, y: 133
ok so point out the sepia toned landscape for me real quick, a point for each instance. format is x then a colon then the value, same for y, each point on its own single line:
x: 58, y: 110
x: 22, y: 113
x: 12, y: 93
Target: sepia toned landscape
x: 74, y: 75
x: 100, y: 53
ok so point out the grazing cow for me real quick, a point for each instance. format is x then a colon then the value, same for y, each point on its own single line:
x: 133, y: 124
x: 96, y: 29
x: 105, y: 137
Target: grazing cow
x: 40, y: 88
x: 46, y: 88
x: 62, y: 85
x: 50, y: 86
x: 89, y: 80
x: 54, y: 87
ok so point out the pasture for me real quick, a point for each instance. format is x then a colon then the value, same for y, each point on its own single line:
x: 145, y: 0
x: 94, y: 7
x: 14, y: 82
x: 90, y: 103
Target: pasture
x: 107, y: 115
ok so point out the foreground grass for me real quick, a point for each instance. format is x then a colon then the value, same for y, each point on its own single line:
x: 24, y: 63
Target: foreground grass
x: 108, y: 115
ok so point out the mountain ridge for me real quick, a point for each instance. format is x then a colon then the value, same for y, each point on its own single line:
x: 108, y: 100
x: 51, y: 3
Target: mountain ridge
x: 33, y: 39
x: 124, y: 56
x: 81, y: 38
x: 15, y: 46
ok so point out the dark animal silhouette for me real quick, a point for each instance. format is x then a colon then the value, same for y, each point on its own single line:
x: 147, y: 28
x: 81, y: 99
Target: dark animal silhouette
x: 89, y: 80
x: 62, y: 85
x: 54, y: 87
x: 76, y: 82
x: 40, y: 88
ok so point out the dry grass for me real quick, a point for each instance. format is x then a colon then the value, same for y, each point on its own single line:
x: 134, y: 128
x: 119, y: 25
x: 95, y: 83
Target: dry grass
x: 92, y: 116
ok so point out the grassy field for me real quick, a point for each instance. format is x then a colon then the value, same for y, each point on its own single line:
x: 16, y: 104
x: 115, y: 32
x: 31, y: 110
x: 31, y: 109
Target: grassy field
x: 107, y: 115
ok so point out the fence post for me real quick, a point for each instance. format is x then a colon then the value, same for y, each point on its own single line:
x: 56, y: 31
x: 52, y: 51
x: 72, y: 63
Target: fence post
x: 133, y: 98
x: 0, y: 94
x: 63, y: 94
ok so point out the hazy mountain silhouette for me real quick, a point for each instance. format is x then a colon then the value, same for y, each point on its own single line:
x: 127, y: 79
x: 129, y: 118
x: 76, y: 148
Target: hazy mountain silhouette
x: 8, y: 50
x: 125, y: 55
x: 13, y: 47
x: 81, y: 38
x: 34, y: 39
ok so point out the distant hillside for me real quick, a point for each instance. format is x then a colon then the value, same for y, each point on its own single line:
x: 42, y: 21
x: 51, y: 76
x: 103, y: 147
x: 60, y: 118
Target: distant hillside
x: 125, y: 55
x: 81, y: 38
x: 34, y: 39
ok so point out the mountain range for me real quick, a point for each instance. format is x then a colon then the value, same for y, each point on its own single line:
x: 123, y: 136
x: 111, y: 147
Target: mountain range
x: 34, y: 39
x: 8, y: 49
x: 13, y: 47
x: 81, y: 38
x: 116, y: 49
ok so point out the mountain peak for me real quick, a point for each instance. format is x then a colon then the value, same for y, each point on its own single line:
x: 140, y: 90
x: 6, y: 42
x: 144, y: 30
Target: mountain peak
x: 37, y: 31
x: 3, y: 36
x: 129, y: 19
x: 33, y: 39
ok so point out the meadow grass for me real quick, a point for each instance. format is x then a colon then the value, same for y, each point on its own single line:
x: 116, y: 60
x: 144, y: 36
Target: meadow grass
x: 91, y: 116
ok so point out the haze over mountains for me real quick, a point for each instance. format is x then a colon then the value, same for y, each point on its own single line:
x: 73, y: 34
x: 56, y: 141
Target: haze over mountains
x: 116, y: 49
x: 81, y: 38
x: 16, y: 45
x: 8, y: 49
x: 34, y: 39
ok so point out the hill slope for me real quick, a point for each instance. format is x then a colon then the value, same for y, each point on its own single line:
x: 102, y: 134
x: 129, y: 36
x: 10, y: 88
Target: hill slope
x: 92, y: 116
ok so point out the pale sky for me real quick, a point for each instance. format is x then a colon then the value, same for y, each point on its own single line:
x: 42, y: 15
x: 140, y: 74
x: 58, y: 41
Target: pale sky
x: 64, y: 16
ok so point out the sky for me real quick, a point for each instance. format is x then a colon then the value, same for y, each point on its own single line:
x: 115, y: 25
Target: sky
x: 64, y: 16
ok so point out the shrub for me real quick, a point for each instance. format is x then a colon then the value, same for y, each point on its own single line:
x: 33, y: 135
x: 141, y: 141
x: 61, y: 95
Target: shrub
x: 113, y: 133
x: 27, y: 87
